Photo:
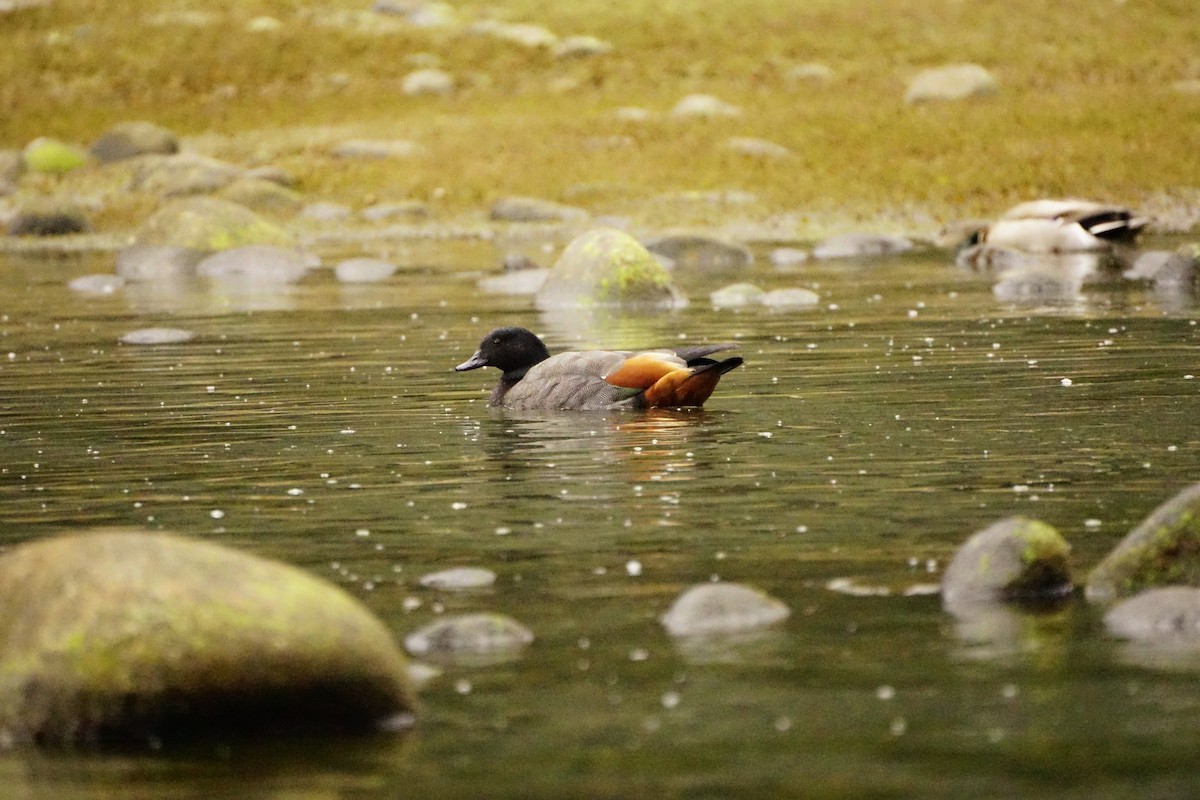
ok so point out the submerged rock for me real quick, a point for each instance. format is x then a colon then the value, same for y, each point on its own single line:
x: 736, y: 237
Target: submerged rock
x: 258, y: 263
x: 861, y: 245
x: 1164, y: 549
x: 129, y: 139
x: 1015, y: 559
x: 364, y: 270
x: 157, y: 262
x: 1169, y: 614
x: 459, y: 579
x: 96, y: 284
x: 953, y: 82
x: 206, y: 223
x: 701, y: 252
x: 709, y: 609
x: 737, y: 295
x: 125, y: 637
x: 152, y: 336
x: 470, y: 639
x: 607, y: 267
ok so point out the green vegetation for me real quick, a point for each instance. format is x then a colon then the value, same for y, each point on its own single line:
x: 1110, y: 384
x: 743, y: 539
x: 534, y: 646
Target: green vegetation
x: 1093, y: 101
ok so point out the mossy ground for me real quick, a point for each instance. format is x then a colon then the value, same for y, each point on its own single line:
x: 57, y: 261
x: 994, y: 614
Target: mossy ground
x: 1090, y: 102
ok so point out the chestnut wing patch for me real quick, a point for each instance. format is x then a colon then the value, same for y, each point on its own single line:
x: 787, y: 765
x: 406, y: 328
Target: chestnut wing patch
x: 643, y: 370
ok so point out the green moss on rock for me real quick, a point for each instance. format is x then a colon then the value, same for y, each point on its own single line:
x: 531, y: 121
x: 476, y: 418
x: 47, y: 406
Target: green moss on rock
x: 206, y: 223
x: 53, y: 156
x: 1163, y: 550
x: 607, y: 267
x: 124, y: 637
x: 1016, y: 558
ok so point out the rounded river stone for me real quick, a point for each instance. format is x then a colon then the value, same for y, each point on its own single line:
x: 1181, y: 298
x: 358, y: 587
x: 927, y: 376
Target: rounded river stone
x: 127, y: 637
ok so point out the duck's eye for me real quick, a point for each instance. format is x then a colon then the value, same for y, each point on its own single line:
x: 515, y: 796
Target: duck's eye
x: 496, y: 340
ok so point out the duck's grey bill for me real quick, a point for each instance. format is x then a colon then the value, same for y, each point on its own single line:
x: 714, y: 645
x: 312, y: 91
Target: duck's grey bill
x: 474, y: 362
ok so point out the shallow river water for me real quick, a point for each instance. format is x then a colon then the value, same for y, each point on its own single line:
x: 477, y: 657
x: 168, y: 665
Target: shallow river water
x: 838, y: 470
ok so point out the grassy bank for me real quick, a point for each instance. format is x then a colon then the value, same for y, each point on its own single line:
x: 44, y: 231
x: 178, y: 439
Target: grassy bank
x: 1093, y: 99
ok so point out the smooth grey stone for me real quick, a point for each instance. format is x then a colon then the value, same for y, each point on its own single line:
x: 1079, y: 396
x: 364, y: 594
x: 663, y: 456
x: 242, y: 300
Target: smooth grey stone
x: 711, y: 609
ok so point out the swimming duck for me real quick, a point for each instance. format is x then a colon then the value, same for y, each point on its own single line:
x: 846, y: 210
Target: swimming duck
x: 1061, y: 226
x: 596, y: 379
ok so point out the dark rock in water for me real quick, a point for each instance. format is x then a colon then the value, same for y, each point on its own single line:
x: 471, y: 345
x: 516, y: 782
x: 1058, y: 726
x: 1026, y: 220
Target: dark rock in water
x: 205, y: 223
x: 710, y: 609
x: 607, y: 267
x: 258, y: 263
x: 1164, y: 549
x: 1014, y: 559
x: 48, y: 220
x: 860, y: 245
x: 532, y: 209
x: 130, y: 638
x: 474, y: 639
x: 701, y: 252
x: 182, y: 174
x: 129, y: 139
x: 141, y: 262
x: 1167, y: 614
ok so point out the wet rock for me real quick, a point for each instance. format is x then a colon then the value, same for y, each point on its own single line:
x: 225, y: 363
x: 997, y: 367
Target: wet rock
x: 1038, y: 284
x: 364, y: 270
x: 376, y: 149
x: 953, y: 82
x: 701, y: 252
x: 459, y: 579
x: 124, y: 637
x: 1163, y: 549
x: 789, y: 299
x: 129, y: 139
x: 788, y: 257
x: 861, y: 245
x: 581, y: 47
x: 182, y: 174
x: 48, y: 218
x: 153, y: 336
x: 99, y: 284
x: 1169, y: 614
x: 812, y: 72
x: 383, y: 212
x: 470, y: 639
x: 532, y: 209
x: 607, y: 267
x: 1177, y: 274
x: 53, y: 156
x: 1014, y: 559
x: 756, y: 148
x: 206, y: 223
x: 990, y: 260
x: 532, y: 36
x: 1147, y: 265
x: 157, y: 262
x: 430, y: 81
x: 257, y: 263
x: 261, y: 195
x: 704, y: 106
x: 737, y: 295
x: 327, y: 212
x: 710, y: 609
x: 515, y: 282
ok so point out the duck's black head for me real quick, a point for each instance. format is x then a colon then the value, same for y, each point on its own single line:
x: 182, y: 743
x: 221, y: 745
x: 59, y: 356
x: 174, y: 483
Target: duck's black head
x: 511, y: 350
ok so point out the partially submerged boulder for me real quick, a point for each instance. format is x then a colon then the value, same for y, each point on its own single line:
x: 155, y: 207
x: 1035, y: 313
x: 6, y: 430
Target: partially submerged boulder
x: 1014, y: 559
x: 1167, y: 615
x: 127, y: 637
x: 205, y: 223
x: 713, y: 609
x: 1163, y: 550
x: 470, y: 639
x: 607, y: 267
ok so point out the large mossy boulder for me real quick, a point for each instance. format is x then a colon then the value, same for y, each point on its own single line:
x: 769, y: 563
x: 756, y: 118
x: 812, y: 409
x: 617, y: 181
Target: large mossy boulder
x: 607, y: 267
x: 1163, y: 550
x: 1012, y: 560
x: 126, y: 637
x: 206, y: 224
